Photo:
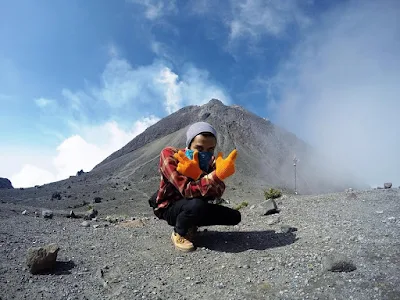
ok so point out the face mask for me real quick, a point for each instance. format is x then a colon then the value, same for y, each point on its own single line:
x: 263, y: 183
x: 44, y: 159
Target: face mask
x: 204, y: 158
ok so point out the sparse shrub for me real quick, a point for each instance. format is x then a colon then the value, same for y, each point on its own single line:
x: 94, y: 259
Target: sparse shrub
x: 241, y: 205
x: 272, y: 193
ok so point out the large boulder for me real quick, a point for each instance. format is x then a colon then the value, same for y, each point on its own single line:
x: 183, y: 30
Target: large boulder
x: 5, y: 183
x: 41, y: 259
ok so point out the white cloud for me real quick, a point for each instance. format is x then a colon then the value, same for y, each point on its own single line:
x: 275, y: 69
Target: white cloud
x: 81, y: 151
x: 253, y: 18
x: 110, y: 136
x: 164, y: 51
x: 172, y: 93
x: 31, y: 175
x: 155, y: 9
x: 20, y: 160
x: 43, y: 102
x: 123, y: 86
x: 73, y: 98
x: 340, y: 89
x: 75, y: 154
x: 194, y: 89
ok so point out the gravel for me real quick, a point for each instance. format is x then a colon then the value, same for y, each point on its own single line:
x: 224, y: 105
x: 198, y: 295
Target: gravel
x: 257, y: 259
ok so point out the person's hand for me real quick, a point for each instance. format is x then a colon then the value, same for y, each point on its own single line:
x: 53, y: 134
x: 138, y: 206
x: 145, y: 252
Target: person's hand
x: 187, y: 167
x: 225, y: 167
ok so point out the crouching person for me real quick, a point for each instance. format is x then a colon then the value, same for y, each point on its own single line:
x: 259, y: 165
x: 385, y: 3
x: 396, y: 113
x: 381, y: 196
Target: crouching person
x: 191, y: 177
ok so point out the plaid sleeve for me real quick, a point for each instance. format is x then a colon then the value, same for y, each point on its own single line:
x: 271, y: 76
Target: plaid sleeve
x: 208, y: 185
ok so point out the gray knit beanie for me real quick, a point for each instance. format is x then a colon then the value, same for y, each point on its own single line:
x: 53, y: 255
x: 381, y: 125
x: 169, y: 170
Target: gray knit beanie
x: 197, y: 128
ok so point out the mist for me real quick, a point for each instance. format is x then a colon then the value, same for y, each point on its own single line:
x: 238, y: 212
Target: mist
x: 340, y: 90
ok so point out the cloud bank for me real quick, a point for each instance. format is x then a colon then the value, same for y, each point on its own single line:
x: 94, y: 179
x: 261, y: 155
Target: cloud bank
x: 83, y: 151
x: 340, y: 89
x: 123, y: 87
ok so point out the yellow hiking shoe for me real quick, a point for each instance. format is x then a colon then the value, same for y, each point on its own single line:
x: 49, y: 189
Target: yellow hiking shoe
x: 181, y: 243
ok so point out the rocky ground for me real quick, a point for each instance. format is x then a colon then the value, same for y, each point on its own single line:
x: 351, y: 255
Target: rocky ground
x: 281, y: 256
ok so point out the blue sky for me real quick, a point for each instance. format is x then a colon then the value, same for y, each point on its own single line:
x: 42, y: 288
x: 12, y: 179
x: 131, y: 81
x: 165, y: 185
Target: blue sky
x: 79, y: 79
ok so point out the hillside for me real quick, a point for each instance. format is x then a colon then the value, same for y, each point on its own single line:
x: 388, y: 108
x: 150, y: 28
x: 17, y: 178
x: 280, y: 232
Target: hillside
x: 265, y: 159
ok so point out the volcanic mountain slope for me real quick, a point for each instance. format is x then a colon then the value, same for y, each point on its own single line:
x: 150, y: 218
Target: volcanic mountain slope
x: 265, y: 151
x: 125, y: 180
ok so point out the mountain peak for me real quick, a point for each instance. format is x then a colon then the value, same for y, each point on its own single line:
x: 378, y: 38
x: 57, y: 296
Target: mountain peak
x: 214, y: 101
x: 266, y: 151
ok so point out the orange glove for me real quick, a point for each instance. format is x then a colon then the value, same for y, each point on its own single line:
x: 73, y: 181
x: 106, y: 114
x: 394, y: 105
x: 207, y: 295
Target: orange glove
x: 225, y: 167
x: 187, y: 167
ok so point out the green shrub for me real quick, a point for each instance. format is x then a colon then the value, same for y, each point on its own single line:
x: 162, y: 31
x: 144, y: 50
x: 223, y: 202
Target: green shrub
x: 241, y: 205
x: 272, y: 193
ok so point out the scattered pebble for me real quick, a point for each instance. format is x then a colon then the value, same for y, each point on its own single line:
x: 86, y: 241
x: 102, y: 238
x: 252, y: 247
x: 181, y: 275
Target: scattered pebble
x: 270, y: 207
x: 287, y: 229
x: 85, y: 224
x: 24, y: 212
x: 47, y: 214
x: 273, y: 221
x: 326, y: 239
x: 92, y: 213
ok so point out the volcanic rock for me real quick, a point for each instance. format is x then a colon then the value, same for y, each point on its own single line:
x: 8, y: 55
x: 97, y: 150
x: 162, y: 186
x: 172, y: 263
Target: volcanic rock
x: 5, y: 183
x: 387, y: 185
x: 90, y: 214
x: 41, y: 259
x: 47, y: 214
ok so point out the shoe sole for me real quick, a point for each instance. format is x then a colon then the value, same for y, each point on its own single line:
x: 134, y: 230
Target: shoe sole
x: 184, y: 250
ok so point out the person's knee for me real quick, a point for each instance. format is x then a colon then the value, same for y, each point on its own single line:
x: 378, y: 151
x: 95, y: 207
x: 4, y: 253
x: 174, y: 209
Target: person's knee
x: 196, y: 206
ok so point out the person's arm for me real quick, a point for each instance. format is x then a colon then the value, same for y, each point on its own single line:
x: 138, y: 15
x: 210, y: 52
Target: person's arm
x: 207, y: 186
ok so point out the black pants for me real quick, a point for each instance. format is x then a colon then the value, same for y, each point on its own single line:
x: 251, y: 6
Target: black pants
x: 186, y: 213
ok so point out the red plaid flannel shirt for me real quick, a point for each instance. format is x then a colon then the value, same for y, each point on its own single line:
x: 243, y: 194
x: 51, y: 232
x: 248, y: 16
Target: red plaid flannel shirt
x: 175, y: 186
